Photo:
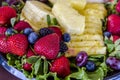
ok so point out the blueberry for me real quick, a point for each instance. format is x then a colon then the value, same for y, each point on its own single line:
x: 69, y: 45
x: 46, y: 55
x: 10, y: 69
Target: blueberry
x: 63, y: 47
x: 107, y: 34
x: 10, y: 31
x: 33, y: 37
x: 81, y: 58
x: 45, y: 31
x: 66, y: 37
x: 90, y: 66
x: 27, y: 31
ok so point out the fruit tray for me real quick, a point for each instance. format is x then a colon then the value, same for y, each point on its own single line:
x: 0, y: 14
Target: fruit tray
x: 46, y: 45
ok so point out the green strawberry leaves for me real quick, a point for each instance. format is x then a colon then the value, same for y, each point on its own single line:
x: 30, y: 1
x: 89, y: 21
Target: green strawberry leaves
x: 52, y: 21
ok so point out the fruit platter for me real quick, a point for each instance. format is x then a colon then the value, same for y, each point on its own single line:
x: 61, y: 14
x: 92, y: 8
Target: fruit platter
x: 60, y: 39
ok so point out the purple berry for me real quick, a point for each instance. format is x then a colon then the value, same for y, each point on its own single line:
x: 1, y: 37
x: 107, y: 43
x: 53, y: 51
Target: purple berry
x: 113, y: 62
x: 81, y: 58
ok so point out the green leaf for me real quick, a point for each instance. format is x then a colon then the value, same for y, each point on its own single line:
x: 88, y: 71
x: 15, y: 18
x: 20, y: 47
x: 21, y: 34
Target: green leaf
x: 110, y: 47
x: 117, y: 48
x: 55, y: 21
x: 13, y: 20
x: 117, y: 42
x: 108, y: 42
x: 45, y: 66
x: 114, y: 53
x: 32, y: 59
x: 96, y: 75
x: 81, y: 74
x: 48, y: 20
x: 37, y: 66
x: 54, y: 75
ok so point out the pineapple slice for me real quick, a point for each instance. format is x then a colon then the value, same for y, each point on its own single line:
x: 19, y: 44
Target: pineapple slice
x: 35, y: 13
x: 87, y: 37
x: 69, y: 19
x: 78, y: 44
x: 90, y: 50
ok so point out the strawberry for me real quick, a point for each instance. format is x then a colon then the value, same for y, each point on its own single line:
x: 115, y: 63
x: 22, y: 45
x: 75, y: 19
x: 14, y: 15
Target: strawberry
x: 6, y: 13
x: 48, y: 46
x: 3, y: 44
x: 57, y: 31
x: 113, y: 24
x: 115, y: 37
x: 27, y: 67
x: 17, y: 44
x: 21, y: 25
x: 61, y: 66
x: 118, y: 7
x: 2, y: 31
x: 30, y: 53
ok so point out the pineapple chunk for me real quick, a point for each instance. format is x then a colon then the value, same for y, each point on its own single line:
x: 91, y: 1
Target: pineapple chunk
x: 69, y: 19
x: 36, y: 13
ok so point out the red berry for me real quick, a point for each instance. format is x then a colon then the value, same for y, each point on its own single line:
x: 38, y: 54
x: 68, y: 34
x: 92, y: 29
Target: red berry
x: 30, y: 53
x: 6, y: 13
x: 17, y: 44
x: 48, y: 46
x: 27, y: 67
x: 113, y: 24
x: 3, y: 44
x: 115, y: 37
x: 21, y: 25
x: 118, y: 7
x: 56, y: 30
x: 2, y: 31
x: 61, y: 66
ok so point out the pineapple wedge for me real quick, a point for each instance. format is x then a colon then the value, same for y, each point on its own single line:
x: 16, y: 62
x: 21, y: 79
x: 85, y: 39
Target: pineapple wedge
x: 35, y: 13
x: 69, y: 19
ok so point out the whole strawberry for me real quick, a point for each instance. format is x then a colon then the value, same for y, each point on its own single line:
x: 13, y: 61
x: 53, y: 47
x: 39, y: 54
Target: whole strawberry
x: 27, y: 67
x: 3, y: 44
x: 17, y: 44
x: 56, y: 30
x: 113, y: 24
x: 6, y: 13
x: 2, y: 31
x: 48, y: 46
x: 21, y: 25
x: 61, y: 66
x: 118, y: 7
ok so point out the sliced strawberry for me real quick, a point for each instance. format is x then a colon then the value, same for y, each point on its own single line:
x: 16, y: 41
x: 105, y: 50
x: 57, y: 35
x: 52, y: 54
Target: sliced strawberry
x: 21, y: 25
x: 2, y: 31
x: 48, y: 46
x: 113, y: 24
x: 6, y: 13
x: 17, y: 44
x: 3, y: 44
x: 57, y: 31
x: 61, y: 66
